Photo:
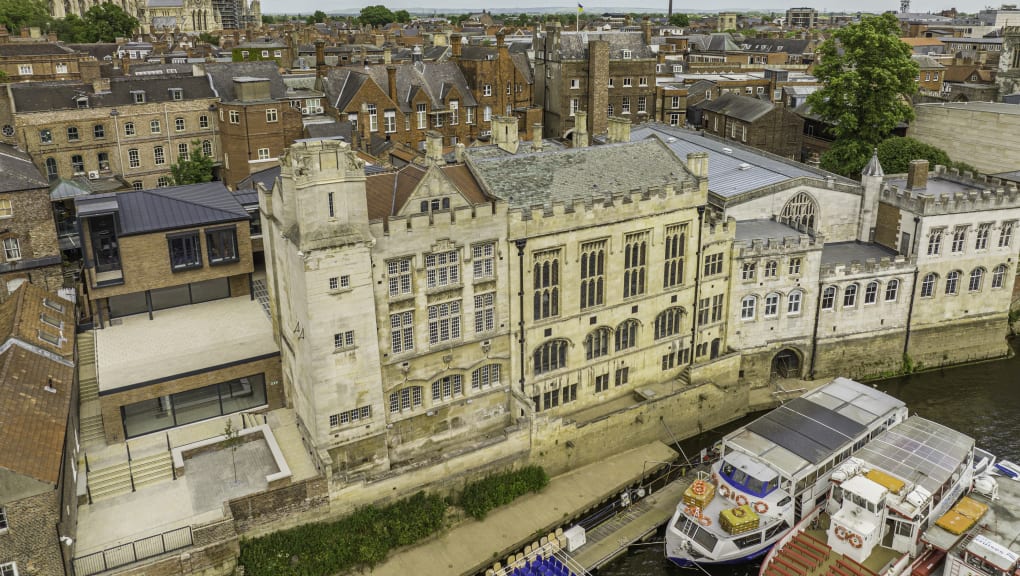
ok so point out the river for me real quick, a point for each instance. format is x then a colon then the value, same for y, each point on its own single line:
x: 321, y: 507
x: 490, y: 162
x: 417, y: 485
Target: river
x: 981, y: 400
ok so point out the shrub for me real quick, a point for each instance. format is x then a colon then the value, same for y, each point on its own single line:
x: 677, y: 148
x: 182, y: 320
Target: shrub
x: 478, y: 498
x: 360, y: 540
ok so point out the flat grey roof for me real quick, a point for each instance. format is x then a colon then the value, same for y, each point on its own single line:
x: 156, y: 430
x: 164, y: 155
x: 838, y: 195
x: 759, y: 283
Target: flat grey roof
x: 809, y: 430
x: 936, y: 186
x: 763, y: 229
x: 840, y: 252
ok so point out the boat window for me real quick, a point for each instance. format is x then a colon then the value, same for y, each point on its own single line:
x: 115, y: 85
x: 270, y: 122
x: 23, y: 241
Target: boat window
x: 784, y: 502
x: 748, y: 541
x: 755, y: 485
x: 728, y: 469
x: 773, y: 484
x: 705, y: 539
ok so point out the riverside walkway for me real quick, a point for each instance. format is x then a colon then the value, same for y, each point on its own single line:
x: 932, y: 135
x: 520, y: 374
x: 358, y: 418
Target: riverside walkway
x: 472, y: 546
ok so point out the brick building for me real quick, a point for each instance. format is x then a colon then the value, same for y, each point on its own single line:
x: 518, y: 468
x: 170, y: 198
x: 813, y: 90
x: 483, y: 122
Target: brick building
x: 256, y: 121
x: 603, y: 73
x: 178, y: 261
x: 38, y: 451
x: 135, y: 127
x: 758, y: 123
x: 501, y: 79
x: 31, y: 250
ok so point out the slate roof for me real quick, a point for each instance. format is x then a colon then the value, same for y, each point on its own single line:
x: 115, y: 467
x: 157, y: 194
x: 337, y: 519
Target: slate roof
x: 47, y: 96
x: 33, y: 422
x: 727, y: 175
x: 574, y: 45
x: 221, y: 78
x: 435, y: 78
x: 332, y: 129
x: 387, y: 192
x: 589, y: 173
x: 266, y: 177
x: 98, y: 50
x: 925, y: 62
x: 342, y: 84
x: 746, y: 108
x: 14, y: 49
x: 19, y: 173
x: 718, y: 42
x: 145, y: 211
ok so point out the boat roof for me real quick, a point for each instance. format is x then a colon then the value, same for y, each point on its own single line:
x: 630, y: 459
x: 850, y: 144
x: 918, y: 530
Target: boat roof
x: 804, y: 432
x: 918, y: 451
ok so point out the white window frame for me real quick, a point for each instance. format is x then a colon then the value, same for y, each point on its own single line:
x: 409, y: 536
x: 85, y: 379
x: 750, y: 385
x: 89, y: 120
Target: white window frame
x: 272, y: 115
x: 25, y: 69
x: 263, y: 153
x: 12, y: 249
x: 748, y: 307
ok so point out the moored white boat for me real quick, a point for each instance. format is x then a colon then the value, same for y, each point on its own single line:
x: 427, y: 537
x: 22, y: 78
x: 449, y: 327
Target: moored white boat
x: 774, y: 472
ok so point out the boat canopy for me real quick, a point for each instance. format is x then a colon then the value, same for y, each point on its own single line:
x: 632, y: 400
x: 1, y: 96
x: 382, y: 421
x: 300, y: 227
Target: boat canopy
x: 918, y: 451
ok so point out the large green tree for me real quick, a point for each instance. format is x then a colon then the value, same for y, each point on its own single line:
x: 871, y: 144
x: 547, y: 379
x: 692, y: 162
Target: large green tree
x: 402, y: 16
x: 106, y: 22
x: 867, y: 79
x: 193, y: 169
x: 16, y: 14
x: 317, y: 18
x: 377, y: 15
x: 896, y: 153
x: 679, y: 20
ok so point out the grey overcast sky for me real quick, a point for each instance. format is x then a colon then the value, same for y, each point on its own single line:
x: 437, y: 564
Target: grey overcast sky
x: 308, y: 6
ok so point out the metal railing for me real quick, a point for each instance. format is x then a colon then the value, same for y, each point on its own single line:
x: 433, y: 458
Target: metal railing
x: 131, y: 552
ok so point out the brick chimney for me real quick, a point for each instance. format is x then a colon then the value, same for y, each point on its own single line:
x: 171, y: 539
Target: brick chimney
x: 917, y: 175
x: 455, y: 46
x: 320, y: 58
x: 434, y: 148
x: 580, y: 129
x: 697, y: 164
x: 619, y: 130
x: 391, y: 80
x: 646, y: 30
x: 536, y: 137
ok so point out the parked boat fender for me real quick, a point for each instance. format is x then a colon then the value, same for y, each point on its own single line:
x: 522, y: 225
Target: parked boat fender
x: 761, y: 507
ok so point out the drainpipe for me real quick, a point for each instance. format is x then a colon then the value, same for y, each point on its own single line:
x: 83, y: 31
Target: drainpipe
x: 520, y: 296
x: 913, y: 293
x: 697, y: 286
x: 814, y: 335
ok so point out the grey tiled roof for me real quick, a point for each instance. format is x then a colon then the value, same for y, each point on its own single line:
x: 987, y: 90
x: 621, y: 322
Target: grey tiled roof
x: 46, y: 96
x: 99, y: 50
x: 144, y: 211
x: 19, y: 173
x: 342, y: 84
x: 718, y: 42
x: 574, y: 45
x: 221, y: 76
x: 435, y: 78
x: 267, y: 177
x: 732, y: 169
x: 762, y: 230
x: 738, y: 106
x: 33, y: 49
x: 578, y: 173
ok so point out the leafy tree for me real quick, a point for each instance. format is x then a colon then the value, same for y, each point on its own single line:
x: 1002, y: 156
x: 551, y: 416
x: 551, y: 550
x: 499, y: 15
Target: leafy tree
x: 867, y: 77
x: 317, y: 18
x: 195, y: 168
x: 377, y: 15
x: 268, y: 19
x: 679, y: 20
x: 896, y: 153
x: 402, y: 16
x: 16, y: 14
x: 106, y: 22
x: 209, y: 38
x: 71, y: 29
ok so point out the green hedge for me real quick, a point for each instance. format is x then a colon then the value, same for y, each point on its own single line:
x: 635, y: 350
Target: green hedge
x: 500, y: 489
x: 360, y: 540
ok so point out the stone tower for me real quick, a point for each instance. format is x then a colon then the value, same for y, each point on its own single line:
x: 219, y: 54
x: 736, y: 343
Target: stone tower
x: 1008, y: 77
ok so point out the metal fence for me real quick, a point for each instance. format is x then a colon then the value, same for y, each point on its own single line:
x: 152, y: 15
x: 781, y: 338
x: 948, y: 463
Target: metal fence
x: 135, y: 551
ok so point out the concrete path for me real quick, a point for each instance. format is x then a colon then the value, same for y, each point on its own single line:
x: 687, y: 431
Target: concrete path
x: 472, y: 546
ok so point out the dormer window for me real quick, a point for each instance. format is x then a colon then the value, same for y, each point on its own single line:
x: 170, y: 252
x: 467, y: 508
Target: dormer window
x: 82, y: 102
x: 51, y: 321
x: 627, y: 54
x: 435, y: 204
x: 138, y: 96
x: 47, y: 337
x: 176, y: 94
x: 55, y: 306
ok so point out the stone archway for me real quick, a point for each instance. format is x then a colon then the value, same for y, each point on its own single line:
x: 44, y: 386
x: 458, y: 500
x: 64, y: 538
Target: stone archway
x: 787, y: 363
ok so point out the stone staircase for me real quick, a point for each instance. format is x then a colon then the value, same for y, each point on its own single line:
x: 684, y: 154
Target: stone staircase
x: 90, y: 417
x: 117, y: 479
x: 684, y: 377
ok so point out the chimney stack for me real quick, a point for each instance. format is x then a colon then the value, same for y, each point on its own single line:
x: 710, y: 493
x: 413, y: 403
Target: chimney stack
x: 387, y: 55
x: 434, y: 148
x: 619, y: 130
x: 456, y: 44
x: 320, y: 58
x: 580, y: 129
x: 536, y: 137
x: 391, y: 79
x: 697, y: 164
x: 917, y: 175
x: 646, y: 30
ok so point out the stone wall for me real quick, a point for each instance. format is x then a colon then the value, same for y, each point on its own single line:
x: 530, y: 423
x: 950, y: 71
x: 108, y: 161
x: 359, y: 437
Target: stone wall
x: 984, y: 135
x: 265, y: 508
x: 214, y: 553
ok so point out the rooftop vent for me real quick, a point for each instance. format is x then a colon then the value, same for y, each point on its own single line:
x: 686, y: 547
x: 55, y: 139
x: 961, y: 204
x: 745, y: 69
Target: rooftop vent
x: 745, y: 166
x: 728, y: 150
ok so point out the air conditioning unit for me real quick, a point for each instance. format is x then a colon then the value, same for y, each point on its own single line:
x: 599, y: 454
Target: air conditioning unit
x: 93, y: 174
x: 306, y: 111
x: 318, y: 109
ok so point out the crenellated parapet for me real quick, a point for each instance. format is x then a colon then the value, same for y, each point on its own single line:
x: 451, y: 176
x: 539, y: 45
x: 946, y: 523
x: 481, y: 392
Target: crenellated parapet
x: 854, y: 269
x: 772, y: 247
x: 494, y: 212
x: 950, y: 192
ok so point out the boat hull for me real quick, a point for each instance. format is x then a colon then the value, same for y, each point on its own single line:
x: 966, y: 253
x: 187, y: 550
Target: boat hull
x: 688, y: 563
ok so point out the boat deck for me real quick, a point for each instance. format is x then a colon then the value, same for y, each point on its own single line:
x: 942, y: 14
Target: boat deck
x: 807, y: 554
x: 1002, y: 521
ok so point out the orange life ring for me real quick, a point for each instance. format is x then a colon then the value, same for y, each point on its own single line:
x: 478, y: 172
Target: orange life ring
x: 740, y: 499
x: 854, y: 540
x: 841, y: 532
x: 689, y: 510
x: 724, y: 490
x: 739, y: 512
x: 698, y: 487
x: 705, y: 521
x: 761, y: 507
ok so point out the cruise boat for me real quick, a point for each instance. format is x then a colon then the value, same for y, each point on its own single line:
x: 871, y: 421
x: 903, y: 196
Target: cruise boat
x: 919, y: 500
x: 774, y: 472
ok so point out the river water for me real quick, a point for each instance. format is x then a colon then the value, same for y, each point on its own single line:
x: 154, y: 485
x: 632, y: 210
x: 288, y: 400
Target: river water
x: 981, y: 400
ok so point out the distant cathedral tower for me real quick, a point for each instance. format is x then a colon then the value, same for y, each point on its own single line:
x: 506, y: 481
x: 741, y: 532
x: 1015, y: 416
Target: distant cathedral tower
x: 904, y: 6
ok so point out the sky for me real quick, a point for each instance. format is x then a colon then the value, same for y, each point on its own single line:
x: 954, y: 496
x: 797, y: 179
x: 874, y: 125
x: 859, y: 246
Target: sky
x: 292, y: 6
